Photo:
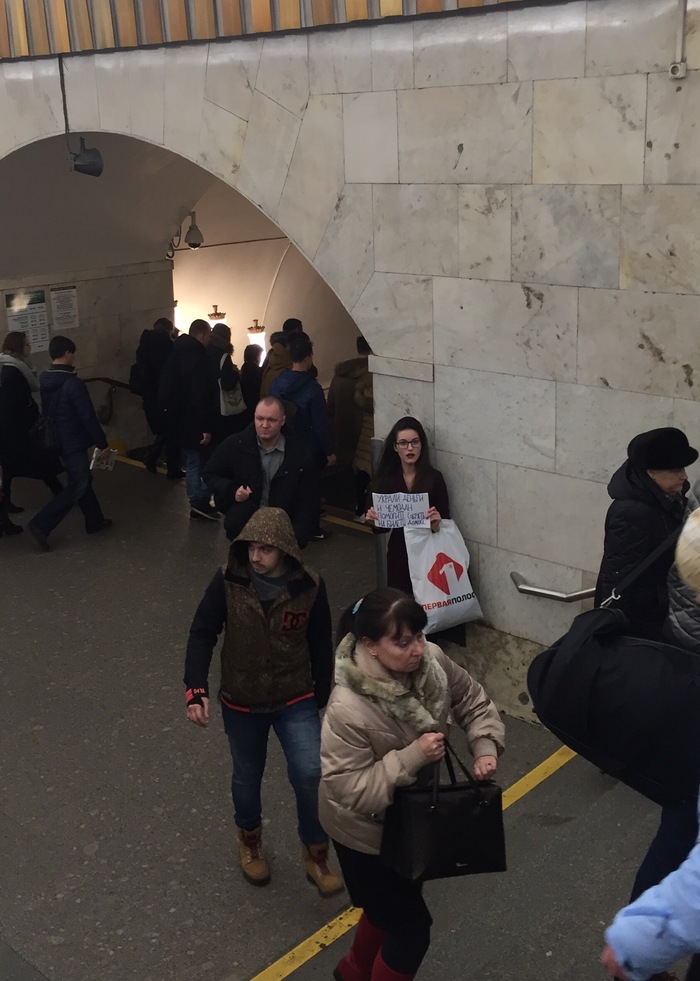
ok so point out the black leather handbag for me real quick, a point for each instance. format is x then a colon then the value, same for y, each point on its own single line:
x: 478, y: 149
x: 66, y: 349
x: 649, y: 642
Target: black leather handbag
x: 444, y: 830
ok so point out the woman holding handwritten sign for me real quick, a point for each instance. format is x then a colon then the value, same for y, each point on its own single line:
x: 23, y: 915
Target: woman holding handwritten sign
x: 405, y: 468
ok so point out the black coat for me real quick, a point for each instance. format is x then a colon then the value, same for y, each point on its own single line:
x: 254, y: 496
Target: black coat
x: 639, y: 519
x: 18, y: 413
x: 251, y: 377
x: 294, y: 488
x: 187, y: 394
x: 152, y: 353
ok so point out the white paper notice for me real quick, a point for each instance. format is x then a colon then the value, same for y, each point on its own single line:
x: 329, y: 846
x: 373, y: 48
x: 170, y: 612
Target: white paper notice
x: 401, y: 510
x: 64, y: 308
x: 26, y: 311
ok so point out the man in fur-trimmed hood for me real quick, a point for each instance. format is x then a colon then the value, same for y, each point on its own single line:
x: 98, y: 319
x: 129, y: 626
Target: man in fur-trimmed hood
x: 276, y: 672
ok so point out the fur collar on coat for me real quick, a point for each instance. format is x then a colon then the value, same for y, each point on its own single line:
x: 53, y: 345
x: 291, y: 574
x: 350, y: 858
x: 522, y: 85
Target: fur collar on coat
x: 419, y: 706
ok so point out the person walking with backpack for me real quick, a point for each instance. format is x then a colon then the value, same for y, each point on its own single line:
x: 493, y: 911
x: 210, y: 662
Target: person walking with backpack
x: 66, y: 403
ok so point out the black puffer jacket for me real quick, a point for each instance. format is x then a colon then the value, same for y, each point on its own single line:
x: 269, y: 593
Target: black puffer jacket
x: 294, y: 488
x: 639, y: 519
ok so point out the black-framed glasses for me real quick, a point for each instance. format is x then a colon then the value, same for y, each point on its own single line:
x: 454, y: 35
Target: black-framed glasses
x: 403, y: 444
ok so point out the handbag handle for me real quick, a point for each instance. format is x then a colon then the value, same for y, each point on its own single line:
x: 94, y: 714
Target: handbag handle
x: 449, y: 754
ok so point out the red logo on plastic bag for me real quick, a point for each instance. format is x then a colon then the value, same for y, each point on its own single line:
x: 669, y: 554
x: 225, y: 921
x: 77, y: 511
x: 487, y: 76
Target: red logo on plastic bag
x: 437, y: 577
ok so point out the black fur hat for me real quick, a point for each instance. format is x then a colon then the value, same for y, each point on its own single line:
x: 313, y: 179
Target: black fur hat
x: 661, y: 449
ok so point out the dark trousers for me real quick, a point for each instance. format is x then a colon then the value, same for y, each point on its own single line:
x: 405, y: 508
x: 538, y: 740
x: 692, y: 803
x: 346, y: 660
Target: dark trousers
x: 390, y: 903
x: 676, y: 835
x: 362, y: 482
x: 78, y: 490
x: 172, y: 454
x: 51, y: 481
x: 694, y: 970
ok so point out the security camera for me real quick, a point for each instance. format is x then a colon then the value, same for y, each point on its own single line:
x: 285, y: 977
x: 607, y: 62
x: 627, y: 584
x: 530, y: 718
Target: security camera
x: 194, y: 238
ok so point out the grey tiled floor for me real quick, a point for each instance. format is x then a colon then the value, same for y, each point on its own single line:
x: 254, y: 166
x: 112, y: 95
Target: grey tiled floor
x: 117, y: 851
x: 114, y: 812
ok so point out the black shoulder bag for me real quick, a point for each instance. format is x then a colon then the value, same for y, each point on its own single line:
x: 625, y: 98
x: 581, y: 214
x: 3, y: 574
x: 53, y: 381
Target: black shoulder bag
x: 445, y: 830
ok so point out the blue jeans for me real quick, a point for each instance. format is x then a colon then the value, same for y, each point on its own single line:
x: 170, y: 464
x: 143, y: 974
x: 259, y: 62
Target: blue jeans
x: 298, y: 728
x: 197, y: 491
x: 78, y: 490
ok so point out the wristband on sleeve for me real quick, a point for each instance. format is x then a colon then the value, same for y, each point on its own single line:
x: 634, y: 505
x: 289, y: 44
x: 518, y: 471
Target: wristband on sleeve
x: 194, y: 696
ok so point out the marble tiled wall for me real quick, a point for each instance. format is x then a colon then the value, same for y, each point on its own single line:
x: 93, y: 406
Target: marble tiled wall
x: 507, y: 204
x: 114, y: 305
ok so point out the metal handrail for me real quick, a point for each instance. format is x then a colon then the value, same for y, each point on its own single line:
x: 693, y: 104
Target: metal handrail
x: 106, y: 412
x: 554, y: 594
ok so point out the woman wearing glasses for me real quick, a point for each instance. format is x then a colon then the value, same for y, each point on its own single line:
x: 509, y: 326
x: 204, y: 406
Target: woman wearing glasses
x: 405, y: 466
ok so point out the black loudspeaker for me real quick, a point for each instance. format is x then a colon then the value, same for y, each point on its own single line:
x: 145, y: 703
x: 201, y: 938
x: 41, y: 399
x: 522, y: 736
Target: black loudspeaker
x: 88, y: 161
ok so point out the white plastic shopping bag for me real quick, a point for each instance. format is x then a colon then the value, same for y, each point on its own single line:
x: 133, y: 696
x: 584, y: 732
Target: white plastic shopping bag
x: 438, y: 563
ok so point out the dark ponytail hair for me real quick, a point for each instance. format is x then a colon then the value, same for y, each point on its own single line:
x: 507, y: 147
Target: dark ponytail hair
x: 382, y: 613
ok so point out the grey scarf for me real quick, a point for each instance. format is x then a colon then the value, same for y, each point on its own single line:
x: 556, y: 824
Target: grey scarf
x: 21, y: 365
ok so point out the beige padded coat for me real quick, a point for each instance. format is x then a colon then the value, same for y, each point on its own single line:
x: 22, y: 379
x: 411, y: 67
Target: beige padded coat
x: 368, y: 737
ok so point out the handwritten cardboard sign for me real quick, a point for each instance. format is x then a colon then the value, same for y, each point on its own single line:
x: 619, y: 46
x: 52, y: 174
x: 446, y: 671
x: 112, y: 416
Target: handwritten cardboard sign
x: 401, y: 510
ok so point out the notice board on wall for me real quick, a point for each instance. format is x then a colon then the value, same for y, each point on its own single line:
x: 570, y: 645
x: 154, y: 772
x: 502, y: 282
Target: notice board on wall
x: 64, y: 308
x: 27, y: 311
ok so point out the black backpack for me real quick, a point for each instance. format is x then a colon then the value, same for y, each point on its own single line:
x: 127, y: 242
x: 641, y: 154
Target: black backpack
x: 138, y: 381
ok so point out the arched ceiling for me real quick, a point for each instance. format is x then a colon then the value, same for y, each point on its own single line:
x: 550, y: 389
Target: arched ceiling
x: 55, y: 220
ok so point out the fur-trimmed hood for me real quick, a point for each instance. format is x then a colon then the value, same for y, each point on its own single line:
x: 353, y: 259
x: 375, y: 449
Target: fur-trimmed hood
x: 419, y: 706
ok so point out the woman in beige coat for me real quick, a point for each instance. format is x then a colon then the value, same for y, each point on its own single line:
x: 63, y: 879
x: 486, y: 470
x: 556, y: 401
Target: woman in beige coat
x: 386, y: 720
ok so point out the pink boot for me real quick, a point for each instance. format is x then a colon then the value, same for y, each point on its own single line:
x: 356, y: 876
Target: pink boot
x: 382, y: 972
x: 357, y: 963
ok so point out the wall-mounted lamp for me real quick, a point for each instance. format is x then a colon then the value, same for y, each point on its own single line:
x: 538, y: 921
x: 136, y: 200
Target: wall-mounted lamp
x: 87, y: 160
x: 216, y: 314
x: 256, y: 334
x: 194, y: 237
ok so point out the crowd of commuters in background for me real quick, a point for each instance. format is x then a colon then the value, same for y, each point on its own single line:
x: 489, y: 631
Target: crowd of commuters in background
x: 241, y: 438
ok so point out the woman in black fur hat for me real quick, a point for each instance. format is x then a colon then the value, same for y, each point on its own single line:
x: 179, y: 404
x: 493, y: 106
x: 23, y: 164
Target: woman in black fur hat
x: 649, y: 497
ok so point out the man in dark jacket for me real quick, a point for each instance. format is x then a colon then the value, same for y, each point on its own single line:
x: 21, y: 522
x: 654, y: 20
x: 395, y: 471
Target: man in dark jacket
x: 189, y: 401
x: 299, y: 386
x: 66, y: 401
x: 155, y: 347
x: 649, y: 498
x: 265, y: 465
x: 276, y: 671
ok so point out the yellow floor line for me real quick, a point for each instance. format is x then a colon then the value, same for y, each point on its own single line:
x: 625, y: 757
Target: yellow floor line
x: 355, y: 525
x: 346, y: 920
x: 135, y: 463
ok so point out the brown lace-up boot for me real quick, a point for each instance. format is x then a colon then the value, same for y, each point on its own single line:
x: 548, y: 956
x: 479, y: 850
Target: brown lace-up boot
x: 319, y: 871
x: 254, y: 867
